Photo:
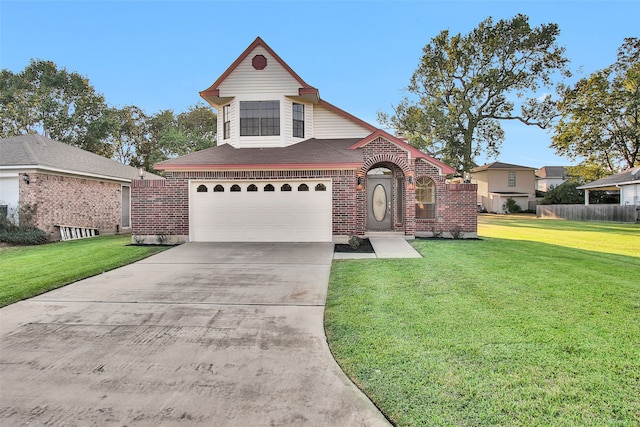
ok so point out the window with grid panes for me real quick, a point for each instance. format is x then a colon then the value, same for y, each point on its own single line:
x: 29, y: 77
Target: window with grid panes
x: 259, y: 118
x: 298, y: 120
x: 425, y: 198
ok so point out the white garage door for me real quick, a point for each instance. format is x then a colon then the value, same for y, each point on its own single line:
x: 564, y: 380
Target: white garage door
x: 260, y: 211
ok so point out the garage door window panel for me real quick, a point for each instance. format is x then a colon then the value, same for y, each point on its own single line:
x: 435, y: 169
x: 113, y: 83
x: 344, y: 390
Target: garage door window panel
x: 202, y: 188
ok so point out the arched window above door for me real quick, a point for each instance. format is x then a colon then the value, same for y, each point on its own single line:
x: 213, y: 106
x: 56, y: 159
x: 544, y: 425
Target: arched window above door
x: 380, y: 170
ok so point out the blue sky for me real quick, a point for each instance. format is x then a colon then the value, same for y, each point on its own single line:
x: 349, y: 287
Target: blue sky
x: 360, y: 54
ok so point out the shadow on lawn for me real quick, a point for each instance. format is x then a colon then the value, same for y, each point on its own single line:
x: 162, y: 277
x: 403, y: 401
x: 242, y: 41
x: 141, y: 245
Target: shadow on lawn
x: 530, y: 221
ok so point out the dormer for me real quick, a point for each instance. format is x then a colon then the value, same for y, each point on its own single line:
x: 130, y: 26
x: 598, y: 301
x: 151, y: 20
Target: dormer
x: 262, y: 102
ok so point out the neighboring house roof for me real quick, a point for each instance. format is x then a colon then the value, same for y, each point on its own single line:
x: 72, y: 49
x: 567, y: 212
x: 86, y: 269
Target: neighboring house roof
x: 498, y: 166
x: 35, y: 151
x: 626, y: 177
x: 552, y: 172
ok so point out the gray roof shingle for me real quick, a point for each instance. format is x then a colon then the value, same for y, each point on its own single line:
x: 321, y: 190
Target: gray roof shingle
x: 499, y: 165
x: 310, y: 152
x: 551, y: 172
x: 629, y: 176
x: 38, y: 151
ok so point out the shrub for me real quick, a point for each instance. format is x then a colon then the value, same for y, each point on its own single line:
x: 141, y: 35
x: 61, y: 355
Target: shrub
x: 23, y: 236
x: 511, y: 206
x: 564, y: 194
x: 457, y: 233
x: 354, y: 241
x: 25, y: 233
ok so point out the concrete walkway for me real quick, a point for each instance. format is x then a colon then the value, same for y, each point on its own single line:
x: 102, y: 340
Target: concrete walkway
x: 201, y: 334
x: 384, y: 247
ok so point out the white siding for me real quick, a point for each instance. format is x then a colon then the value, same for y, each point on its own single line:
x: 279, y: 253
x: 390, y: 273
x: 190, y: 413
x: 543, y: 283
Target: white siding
x: 328, y: 124
x: 274, y: 82
x: 247, y: 80
x: 630, y: 194
x: 9, y: 190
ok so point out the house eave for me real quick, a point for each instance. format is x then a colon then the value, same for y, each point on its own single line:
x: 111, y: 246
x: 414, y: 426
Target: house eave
x: 612, y: 186
x: 41, y: 168
x: 505, y: 194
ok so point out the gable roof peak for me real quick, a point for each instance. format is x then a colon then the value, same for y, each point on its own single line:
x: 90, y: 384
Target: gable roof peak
x: 212, y: 94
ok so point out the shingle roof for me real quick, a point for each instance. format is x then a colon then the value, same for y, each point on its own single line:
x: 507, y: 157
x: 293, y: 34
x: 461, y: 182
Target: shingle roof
x: 320, y: 152
x: 551, y: 172
x: 498, y: 165
x: 629, y: 176
x: 38, y: 151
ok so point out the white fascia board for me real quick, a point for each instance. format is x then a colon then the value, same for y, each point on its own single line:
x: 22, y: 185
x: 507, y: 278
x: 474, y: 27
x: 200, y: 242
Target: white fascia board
x: 36, y: 168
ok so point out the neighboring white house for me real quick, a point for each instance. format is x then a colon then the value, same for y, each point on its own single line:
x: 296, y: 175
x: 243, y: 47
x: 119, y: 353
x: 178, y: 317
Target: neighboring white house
x: 627, y: 182
x: 498, y: 182
x: 550, y: 176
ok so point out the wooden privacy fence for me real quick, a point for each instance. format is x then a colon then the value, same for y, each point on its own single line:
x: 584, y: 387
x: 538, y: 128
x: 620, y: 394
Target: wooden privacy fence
x: 613, y: 213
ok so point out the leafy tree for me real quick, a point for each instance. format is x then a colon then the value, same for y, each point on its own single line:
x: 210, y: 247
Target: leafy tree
x: 196, y: 130
x: 564, y: 194
x: 466, y: 84
x: 51, y: 101
x: 600, y: 115
x: 176, y: 135
x: 586, y: 172
x: 61, y: 105
x: 127, y: 133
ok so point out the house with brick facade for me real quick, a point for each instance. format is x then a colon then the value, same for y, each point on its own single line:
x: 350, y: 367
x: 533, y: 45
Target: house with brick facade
x: 69, y: 192
x: 291, y: 167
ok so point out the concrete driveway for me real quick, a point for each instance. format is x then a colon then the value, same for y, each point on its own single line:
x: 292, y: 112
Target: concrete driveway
x: 201, y: 334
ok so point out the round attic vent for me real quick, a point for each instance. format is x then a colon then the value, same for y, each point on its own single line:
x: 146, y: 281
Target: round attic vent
x: 259, y: 62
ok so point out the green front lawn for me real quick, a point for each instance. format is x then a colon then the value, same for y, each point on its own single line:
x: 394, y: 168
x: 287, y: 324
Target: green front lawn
x: 536, y: 324
x: 26, y: 271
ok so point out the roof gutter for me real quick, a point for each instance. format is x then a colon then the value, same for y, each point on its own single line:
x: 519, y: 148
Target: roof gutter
x: 66, y: 172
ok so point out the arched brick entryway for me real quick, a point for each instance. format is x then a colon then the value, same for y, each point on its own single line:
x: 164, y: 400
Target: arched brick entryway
x: 385, y: 180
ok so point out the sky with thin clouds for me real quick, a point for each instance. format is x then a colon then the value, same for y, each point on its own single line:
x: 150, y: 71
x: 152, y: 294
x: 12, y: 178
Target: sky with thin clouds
x: 159, y: 55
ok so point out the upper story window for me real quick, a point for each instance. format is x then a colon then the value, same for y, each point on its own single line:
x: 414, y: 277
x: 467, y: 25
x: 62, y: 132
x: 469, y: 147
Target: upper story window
x: 226, y: 132
x: 512, y: 179
x: 259, y: 118
x: 298, y: 120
